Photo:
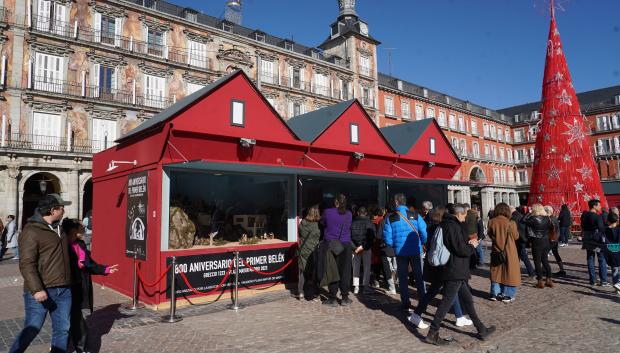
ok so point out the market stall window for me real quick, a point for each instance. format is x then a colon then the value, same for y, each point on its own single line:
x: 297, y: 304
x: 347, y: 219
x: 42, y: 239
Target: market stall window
x: 355, y: 135
x: 322, y: 192
x: 216, y: 208
x: 237, y: 113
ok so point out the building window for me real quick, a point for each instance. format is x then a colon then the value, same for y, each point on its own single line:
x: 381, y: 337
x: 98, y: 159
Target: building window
x: 500, y: 134
x: 494, y: 152
x: 237, y: 113
x: 493, y: 133
x: 507, y: 135
x: 267, y: 72
x: 321, y: 84
x: 451, y: 120
x: 615, y: 121
x: 404, y: 107
x: 103, y: 81
x: 197, y: 55
x: 366, y: 97
x: 485, y: 130
x: 474, y: 127
x: 487, y: 151
x: 602, y: 123
x: 419, y: 112
x: 51, y: 17
x: 501, y: 155
x: 107, y: 29
x: 509, y: 155
x: 193, y: 87
x: 503, y: 175
x: 288, y: 46
x: 296, y: 108
x: 48, y: 73
x: 155, y: 42
x: 227, y: 27
x: 389, y: 106
x: 430, y: 113
x: 296, y: 77
x: 531, y: 153
x: 476, y: 150
x: 463, y: 147
x: 345, y: 86
x: 46, y: 131
x: 462, y: 123
x: 518, y: 135
x: 432, y: 145
x: 154, y: 91
x: 260, y: 37
x: 364, y: 65
x: 354, y: 134
x: 103, y: 134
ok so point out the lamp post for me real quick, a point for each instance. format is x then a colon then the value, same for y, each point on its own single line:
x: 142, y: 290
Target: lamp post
x: 43, y: 186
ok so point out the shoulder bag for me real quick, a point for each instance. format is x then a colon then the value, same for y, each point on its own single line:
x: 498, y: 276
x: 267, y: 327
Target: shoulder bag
x: 499, y: 257
x: 335, y: 245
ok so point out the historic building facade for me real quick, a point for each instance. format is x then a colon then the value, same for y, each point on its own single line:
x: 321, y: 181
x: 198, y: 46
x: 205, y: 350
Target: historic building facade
x: 78, y: 74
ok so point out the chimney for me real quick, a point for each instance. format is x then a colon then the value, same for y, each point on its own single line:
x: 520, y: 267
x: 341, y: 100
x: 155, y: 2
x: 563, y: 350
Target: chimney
x: 399, y: 84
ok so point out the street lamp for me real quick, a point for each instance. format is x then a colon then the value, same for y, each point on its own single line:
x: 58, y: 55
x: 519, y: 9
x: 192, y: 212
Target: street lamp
x: 43, y: 186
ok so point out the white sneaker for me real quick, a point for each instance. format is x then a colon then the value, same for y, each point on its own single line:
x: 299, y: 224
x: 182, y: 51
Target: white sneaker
x: 417, y: 321
x: 356, y: 290
x: 617, y: 286
x: 391, y: 291
x: 463, y: 321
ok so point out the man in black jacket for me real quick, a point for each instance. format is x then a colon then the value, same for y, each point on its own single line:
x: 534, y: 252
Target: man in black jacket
x: 517, y: 215
x: 455, y: 275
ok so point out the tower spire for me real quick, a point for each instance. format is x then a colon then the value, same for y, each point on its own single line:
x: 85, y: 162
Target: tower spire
x: 347, y: 8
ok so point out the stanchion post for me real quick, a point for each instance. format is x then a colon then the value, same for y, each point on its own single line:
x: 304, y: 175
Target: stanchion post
x: 172, y: 317
x: 135, y: 304
x: 235, y: 305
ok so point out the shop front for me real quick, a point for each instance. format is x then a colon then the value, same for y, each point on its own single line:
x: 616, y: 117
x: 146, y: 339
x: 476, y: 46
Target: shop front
x: 220, y: 172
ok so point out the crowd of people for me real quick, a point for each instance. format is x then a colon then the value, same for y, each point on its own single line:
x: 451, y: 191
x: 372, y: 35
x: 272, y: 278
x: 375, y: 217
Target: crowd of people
x: 432, y: 248
x: 56, y: 265
x: 342, y: 244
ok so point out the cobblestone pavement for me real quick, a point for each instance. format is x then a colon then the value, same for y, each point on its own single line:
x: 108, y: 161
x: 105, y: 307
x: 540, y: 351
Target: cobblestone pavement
x: 572, y: 317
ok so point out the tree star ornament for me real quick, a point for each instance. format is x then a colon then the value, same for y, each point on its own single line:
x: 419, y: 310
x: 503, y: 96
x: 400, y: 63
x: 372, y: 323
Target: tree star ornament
x: 565, y: 98
x: 553, y: 173
x: 586, y: 172
x: 566, y: 157
x: 579, y: 187
x: 574, y: 132
x: 552, y: 122
x: 547, y: 137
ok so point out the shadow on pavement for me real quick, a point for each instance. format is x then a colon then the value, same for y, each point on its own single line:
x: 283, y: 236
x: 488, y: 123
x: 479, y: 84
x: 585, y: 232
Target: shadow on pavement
x: 100, y: 323
x: 600, y: 294
x: 611, y: 321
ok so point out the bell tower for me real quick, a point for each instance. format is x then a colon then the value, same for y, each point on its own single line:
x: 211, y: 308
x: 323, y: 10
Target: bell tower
x: 347, y: 8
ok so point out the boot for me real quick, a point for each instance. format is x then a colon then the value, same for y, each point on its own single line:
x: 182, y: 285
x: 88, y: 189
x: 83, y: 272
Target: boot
x: 561, y: 272
x: 549, y: 282
x: 485, y: 332
x: 433, y: 338
x: 540, y: 284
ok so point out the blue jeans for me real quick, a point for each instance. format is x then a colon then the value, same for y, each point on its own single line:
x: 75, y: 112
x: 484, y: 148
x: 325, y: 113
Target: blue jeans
x: 506, y: 291
x: 58, y: 304
x: 402, y: 267
x: 522, y: 247
x: 564, y: 233
x: 432, y: 292
x: 615, y: 274
x: 602, y: 266
x: 480, y: 252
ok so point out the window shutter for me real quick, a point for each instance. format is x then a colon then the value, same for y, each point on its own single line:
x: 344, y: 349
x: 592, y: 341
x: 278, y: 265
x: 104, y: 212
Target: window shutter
x: 115, y: 80
x: 95, y: 77
x: 302, y: 78
x: 165, y: 44
x: 290, y: 76
x: 60, y: 24
x: 290, y: 109
x: 97, y: 25
x: 43, y: 15
x: 302, y: 108
x: 118, y: 31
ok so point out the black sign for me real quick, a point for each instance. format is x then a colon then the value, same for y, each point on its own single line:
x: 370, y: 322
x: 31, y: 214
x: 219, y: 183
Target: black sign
x: 137, y: 201
x: 205, y: 272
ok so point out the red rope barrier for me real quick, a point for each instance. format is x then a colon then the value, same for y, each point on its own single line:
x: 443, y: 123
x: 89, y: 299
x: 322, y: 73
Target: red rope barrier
x: 154, y: 283
x: 267, y: 273
x: 197, y: 292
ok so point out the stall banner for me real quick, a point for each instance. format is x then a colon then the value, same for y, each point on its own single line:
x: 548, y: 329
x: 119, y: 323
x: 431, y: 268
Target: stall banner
x: 135, y: 228
x: 205, y: 271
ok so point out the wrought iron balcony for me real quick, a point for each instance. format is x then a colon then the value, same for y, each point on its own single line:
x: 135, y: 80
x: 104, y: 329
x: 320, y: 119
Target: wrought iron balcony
x: 5, y: 15
x: 100, y: 93
x: 31, y: 142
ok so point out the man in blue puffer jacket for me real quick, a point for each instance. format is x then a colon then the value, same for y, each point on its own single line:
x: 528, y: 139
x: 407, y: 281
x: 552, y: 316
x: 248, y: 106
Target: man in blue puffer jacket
x: 407, y: 244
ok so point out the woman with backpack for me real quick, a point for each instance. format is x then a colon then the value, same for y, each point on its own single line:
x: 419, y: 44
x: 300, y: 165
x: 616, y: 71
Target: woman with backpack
x: 432, y: 274
x: 538, y: 228
x: 505, y: 267
x: 336, y: 222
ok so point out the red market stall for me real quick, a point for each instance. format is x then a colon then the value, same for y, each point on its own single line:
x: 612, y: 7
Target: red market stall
x: 220, y: 171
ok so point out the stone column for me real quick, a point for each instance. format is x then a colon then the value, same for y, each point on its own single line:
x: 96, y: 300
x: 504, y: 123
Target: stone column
x: 8, y: 191
x: 486, y: 198
x: 450, y: 196
x: 505, y: 198
x: 72, y: 193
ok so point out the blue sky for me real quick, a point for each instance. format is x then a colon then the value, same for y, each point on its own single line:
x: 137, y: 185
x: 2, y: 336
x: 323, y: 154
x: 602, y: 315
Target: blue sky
x: 490, y: 52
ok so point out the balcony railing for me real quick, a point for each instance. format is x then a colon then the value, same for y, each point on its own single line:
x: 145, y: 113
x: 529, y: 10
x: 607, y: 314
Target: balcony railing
x: 366, y: 71
x: 101, y: 93
x: 5, y: 14
x: 129, y: 44
x: 53, y: 143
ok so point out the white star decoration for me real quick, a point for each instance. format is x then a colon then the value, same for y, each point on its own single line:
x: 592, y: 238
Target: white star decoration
x: 586, y: 173
x: 540, y: 198
x: 558, y: 77
x: 553, y: 112
x: 566, y: 157
x: 565, y: 98
x: 579, y: 187
x: 558, y: 51
x: 552, y: 122
x: 596, y: 197
x: 586, y: 197
x: 556, y: 32
x: 553, y: 173
x: 547, y: 137
x: 574, y: 132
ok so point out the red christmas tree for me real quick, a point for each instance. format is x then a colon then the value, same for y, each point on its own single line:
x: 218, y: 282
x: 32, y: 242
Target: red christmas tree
x: 564, y: 171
